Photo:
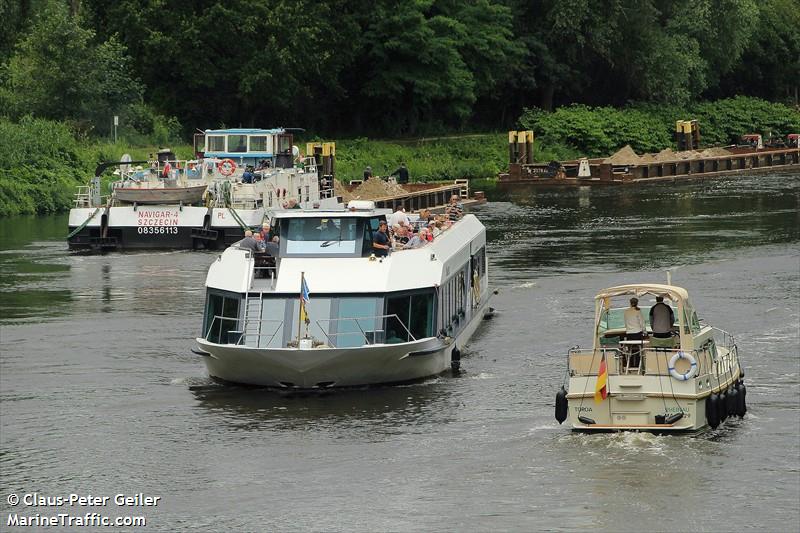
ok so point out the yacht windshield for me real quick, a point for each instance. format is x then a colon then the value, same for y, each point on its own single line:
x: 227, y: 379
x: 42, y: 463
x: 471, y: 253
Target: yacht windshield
x: 321, y: 236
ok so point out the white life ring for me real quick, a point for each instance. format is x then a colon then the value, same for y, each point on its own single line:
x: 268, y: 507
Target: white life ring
x: 689, y: 374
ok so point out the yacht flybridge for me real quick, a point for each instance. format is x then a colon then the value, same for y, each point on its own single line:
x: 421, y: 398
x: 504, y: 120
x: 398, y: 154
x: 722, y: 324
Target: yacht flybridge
x: 325, y: 312
x: 675, y: 374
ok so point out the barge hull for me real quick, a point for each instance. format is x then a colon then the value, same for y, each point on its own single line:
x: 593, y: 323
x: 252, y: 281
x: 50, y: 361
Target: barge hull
x: 739, y: 162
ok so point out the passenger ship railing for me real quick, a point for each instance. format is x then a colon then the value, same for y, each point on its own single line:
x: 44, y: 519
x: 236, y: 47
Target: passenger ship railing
x: 259, y: 333
x: 377, y: 319
x: 243, y: 330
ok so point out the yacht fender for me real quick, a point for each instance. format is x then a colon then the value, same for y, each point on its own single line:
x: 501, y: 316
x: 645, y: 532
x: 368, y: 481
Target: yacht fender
x: 561, y: 405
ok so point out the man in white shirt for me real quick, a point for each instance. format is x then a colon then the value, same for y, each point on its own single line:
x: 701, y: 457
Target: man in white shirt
x: 399, y: 217
x: 634, y: 330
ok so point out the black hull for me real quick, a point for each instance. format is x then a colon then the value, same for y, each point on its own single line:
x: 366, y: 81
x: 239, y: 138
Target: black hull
x: 164, y: 238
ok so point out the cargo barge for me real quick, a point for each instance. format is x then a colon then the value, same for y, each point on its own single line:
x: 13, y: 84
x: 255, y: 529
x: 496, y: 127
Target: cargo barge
x: 626, y: 167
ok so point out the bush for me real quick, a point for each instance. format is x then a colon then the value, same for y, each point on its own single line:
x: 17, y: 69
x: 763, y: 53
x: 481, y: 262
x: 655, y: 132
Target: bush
x: 447, y: 158
x: 43, y: 162
x: 40, y: 167
x: 600, y: 131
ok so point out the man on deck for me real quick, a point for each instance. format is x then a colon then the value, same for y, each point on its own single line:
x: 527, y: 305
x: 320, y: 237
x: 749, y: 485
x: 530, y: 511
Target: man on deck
x: 380, y: 241
x: 402, y: 174
x: 661, y: 319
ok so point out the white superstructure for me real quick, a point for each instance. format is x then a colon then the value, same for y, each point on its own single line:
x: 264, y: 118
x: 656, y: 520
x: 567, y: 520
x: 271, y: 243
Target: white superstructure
x: 206, y: 203
x: 370, y: 320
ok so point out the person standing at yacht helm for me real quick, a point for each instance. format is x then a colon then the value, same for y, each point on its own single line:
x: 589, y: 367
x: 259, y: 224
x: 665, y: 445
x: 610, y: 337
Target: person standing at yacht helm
x: 634, y: 322
x: 634, y: 330
x: 661, y: 319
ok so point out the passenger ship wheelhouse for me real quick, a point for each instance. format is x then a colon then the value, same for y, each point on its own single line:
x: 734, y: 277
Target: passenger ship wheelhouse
x: 371, y: 320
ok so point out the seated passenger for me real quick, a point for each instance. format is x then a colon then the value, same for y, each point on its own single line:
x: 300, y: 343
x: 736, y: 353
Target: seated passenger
x: 259, y: 242
x: 401, y: 237
x: 248, y: 243
x: 392, y: 338
x: 380, y: 241
x: 426, y: 216
x: 272, y: 247
x: 265, y: 231
x: 418, y: 240
x: 291, y: 204
x: 248, y: 176
x: 661, y: 319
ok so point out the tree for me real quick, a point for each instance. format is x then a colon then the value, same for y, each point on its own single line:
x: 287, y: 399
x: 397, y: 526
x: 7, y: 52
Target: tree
x: 57, y: 71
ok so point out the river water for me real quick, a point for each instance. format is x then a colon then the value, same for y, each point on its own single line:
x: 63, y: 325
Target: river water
x: 99, y: 393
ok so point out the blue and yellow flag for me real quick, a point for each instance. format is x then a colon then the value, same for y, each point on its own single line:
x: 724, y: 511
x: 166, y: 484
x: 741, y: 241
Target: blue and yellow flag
x: 303, y: 300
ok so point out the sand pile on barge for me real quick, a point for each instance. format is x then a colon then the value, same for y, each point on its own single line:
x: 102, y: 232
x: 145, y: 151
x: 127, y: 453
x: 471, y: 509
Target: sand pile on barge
x: 369, y: 190
x: 625, y: 156
x: 716, y: 152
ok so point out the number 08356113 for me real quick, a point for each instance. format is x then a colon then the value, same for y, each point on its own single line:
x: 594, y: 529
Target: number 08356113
x: 157, y: 230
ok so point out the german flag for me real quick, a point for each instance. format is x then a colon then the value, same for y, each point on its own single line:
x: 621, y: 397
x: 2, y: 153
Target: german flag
x: 600, y: 388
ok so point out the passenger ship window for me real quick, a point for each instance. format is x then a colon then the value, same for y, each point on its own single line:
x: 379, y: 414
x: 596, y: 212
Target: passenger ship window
x: 216, y: 143
x: 237, y: 143
x: 321, y: 236
x: 258, y: 143
x: 409, y: 313
x: 222, y: 316
x: 479, y: 262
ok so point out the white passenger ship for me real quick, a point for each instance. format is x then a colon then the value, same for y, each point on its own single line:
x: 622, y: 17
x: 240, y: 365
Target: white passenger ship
x: 208, y: 203
x: 686, y: 381
x: 370, y: 320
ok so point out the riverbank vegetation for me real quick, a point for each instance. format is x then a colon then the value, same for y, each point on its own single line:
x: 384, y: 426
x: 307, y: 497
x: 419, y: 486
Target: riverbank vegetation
x: 579, y: 130
x: 587, y: 77
x: 46, y: 160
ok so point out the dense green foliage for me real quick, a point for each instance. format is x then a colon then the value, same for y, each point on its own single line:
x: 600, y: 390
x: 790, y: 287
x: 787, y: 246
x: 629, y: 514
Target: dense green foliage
x: 353, y: 68
x: 470, y: 156
x: 599, y: 131
x: 40, y: 165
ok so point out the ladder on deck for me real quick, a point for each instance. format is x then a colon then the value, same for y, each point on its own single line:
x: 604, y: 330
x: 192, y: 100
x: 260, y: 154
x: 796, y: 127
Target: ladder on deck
x: 253, y: 312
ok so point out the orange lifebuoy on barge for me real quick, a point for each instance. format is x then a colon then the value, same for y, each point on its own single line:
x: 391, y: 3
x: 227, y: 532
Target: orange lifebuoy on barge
x: 226, y: 167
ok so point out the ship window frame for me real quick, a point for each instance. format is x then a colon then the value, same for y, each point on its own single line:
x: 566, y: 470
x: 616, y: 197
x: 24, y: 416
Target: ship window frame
x: 215, y: 139
x: 235, y: 300
x: 238, y: 140
x: 428, y: 293
x: 253, y: 139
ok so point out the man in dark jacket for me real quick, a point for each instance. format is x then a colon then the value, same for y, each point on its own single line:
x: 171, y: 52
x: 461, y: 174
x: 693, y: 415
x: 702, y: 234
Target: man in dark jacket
x: 661, y: 319
x: 402, y: 174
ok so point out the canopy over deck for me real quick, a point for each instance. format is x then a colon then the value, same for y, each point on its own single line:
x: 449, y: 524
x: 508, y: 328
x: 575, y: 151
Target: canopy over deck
x: 676, y: 294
